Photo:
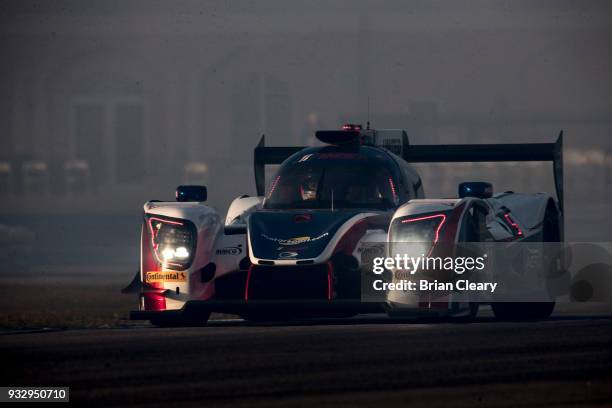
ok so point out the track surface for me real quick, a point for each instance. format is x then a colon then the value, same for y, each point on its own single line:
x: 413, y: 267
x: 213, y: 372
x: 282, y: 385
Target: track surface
x: 362, y: 362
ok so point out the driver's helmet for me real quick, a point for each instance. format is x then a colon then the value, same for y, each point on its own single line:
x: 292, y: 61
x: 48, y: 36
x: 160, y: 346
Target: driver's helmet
x: 308, y: 189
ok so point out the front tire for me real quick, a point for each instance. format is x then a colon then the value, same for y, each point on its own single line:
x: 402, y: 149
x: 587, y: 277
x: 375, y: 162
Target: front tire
x: 522, y: 311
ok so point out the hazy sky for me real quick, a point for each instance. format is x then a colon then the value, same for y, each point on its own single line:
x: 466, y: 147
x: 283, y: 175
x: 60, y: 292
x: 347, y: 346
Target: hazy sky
x: 211, y: 77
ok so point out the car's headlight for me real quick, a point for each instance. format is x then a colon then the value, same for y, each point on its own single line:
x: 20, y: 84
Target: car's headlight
x: 415, y: 236
x: 173, y: 241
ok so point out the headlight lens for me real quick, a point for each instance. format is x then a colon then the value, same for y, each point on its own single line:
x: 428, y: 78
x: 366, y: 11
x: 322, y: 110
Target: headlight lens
x: 173, y: 241
x: 415, y: 236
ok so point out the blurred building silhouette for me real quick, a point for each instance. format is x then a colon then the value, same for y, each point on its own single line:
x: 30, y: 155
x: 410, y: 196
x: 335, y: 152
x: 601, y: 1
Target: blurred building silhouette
x: 127, y: 100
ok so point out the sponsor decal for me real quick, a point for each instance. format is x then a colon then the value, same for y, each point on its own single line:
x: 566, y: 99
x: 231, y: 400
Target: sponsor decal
x: 166, y: 276
x: 231, y: 250
x: 287, y: 255
x: 304, y: 158
x: 296, y: 240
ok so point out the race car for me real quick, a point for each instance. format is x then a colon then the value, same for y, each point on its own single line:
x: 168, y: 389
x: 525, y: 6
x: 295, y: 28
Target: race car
x: 299, y: 249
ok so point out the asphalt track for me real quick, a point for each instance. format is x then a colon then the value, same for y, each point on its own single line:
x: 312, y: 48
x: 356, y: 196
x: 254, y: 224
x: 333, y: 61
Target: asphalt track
x: 366, y: 361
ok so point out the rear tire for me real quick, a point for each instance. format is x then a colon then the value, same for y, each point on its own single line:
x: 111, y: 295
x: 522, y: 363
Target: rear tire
x: 522, y: 311
x: 533, y: 310
x: 180, y: 320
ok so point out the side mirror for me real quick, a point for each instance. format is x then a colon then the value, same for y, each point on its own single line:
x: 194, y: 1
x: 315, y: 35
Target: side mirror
x: 191, y: 193
x: 478, y: 189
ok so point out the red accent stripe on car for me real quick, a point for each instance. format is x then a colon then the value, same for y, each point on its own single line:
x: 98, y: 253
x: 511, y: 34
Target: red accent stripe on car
x: 515, y: 227
x: 246, y: 285
x: 392, y: 185
x: 151, y: 300
x: 330, y: 280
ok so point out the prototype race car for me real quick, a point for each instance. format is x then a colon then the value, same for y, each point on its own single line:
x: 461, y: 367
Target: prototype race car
x: 300, y: 248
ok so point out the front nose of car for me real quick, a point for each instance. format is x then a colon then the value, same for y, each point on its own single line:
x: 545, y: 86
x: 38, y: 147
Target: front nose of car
x: 304, y: 234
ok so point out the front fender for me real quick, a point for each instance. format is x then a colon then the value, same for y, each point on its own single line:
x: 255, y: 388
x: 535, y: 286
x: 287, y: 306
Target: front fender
x: 188, y: 284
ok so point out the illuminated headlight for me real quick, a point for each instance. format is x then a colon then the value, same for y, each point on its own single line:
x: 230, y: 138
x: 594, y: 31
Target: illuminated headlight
x: 173, y: 241
x: 181, y: 253
x: 415, y: 236
x: 169, y: 254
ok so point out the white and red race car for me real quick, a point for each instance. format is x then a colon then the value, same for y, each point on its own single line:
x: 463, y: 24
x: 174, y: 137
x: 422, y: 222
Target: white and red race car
x: 300, y: 248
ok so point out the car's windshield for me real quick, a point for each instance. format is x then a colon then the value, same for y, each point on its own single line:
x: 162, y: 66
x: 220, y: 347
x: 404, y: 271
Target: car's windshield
x: 337, y: 180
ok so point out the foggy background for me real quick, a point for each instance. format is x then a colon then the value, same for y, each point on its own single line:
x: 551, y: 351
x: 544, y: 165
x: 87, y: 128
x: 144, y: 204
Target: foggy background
x: 108, y: 104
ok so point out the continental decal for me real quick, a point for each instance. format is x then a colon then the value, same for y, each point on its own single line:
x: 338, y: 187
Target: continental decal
x: 167, y: 276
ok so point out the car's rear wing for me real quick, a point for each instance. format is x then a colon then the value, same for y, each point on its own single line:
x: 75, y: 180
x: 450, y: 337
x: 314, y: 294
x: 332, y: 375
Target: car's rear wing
x: 552, y: 152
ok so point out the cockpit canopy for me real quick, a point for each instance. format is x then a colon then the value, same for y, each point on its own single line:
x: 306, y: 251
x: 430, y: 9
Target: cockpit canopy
x: 333, y: 177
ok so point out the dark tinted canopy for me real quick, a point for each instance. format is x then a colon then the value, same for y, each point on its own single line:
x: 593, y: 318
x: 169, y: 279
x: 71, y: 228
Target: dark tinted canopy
x: 319, y: 178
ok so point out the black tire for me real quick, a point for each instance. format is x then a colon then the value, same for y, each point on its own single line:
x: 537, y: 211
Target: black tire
x: 522, y: 311
x: 533, y: 310
x: 180, y: 320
